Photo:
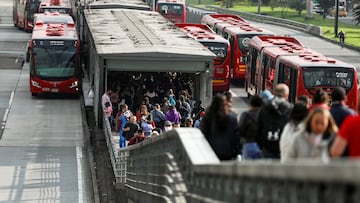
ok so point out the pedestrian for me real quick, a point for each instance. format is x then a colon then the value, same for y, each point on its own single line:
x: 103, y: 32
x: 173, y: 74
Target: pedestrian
x: 294, y: 126
x: 198, y: 108
x: 189, y: 122
x: 165, y: 105
x: 198, y: 121
x: 339, y: 110
x: 305, y: 100
x: 168, y: 126
x: 266, y: 95
x: 130, y: 128
x: 106, y: 98
x: 248, y: 129
x: 185, y: 105
x: 348, y: 137
x: 146, y: 126
x: 313, y: 141
x: 321, y: 100
x: 342, y: 36
x: 173, y: 115
x: 271, y: 120
x: 158, y: 116
x: 123, y: 120
x: 220, y: 129
x: 139, y: 137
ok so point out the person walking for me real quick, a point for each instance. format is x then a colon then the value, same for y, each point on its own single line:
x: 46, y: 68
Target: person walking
x: 130, y: 128
x: 342, y: 36
x: 220, y: 129
x: 248, y: 129
x: 313, y: 141
x: 173, y: 115
x: 271, y: 120
x: 123, y: 120
x: 339, y: 111
x: 158, y: 116
x: 294, y: 126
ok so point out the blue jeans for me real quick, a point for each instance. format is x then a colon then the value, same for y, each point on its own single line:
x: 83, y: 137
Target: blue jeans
x: 250, y: 151
x: 122, y: 143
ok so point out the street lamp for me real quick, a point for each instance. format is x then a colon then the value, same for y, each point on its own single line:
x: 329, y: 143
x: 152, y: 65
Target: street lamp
x: 336, y: 18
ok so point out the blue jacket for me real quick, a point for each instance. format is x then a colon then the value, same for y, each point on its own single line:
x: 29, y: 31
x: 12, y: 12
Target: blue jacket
x: 340, y: 112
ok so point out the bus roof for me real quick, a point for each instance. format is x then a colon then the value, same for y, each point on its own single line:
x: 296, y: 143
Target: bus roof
x: 52, y: 18
x: 126, y: 4
x: 133, y: 34
x: 171, y: 1
x: 54, y: 31
x: 313, y: 61
x: 201, y: 32
x: 246, y: 29
x: 293, y: 49
x: 212, y: 19
x: 259, y: 42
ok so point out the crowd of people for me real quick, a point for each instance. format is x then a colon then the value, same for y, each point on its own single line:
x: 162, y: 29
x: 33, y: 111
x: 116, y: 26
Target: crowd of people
x: 272, y: 128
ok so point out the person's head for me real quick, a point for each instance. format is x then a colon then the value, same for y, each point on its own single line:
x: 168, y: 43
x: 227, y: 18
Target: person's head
x: 157, y: 106
x: 321, y: 97
x: 157, y: 130
x: 202, y: 113
x: 176, y: 125
x: 108, y: 92
x: 338, y: 94
x: 256, y: 101
x: 282, y: 90
x: 154, y: 134
x: 178, y: 104
x: 168, y: 126
x: 189, y: 122
x: 182, y: 98
x: 140, y: 133
x: 266, y: 95
x: 219, y: 105
x: 305, y: 100
x: 123, y: 107
x: 166, y: 101
x: 146, y: 100
x: 228, y: 97
x: 198, y: 103
x: 171, y: 107
x: 299, y: 112
x: 320, y: 121
x: 143, y: 109
x: 133, y: 119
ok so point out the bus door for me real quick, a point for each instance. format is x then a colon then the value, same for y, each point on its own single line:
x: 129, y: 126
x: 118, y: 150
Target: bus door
x: 251, y: 71
x: 289, y: 76
x: 232, y: 53
x: 259, y: 71
x: 270, y: 74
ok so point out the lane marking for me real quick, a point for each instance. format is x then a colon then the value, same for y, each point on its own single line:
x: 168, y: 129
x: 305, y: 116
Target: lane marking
x: 79, y: 157
x: 11, y: 98
x: 6, y: 115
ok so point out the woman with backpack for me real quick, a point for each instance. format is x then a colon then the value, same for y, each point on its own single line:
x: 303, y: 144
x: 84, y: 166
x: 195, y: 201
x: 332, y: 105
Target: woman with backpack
x: 248, y: 129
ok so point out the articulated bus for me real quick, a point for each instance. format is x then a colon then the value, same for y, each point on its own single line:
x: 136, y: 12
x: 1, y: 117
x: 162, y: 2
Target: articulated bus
x: 173, y: 10
x: 54, y: 57
x: 255, y: 58
x: 305, y: 71
x: 60, y: 6
x: 23, y: 13
x: 219, y: 46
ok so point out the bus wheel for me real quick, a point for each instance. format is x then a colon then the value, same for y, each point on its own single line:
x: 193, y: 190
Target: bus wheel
x: 34, y: 94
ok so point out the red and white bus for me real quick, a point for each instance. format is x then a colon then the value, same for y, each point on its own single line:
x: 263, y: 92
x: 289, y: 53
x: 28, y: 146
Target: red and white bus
x: 54, y: 58
x: 219, y: 46
x: 304, y: 71
x: 256, y: 56
x: 60, y: 6
x: 23, y: 13
x: 173, y: 10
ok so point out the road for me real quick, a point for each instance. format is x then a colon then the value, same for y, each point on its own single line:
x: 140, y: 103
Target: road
x: 42, y: 145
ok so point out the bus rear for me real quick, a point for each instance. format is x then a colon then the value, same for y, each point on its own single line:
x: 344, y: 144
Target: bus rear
x: 219, y: 46
x: 314, y: 72
x: 239, y: 37
x: 23, y: 13
x: 54, y: 59
x: 173, y: 10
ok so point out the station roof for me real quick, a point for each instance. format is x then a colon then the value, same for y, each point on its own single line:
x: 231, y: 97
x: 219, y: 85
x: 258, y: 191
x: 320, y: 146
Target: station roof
x: 133, y: 39
x: 125, y: 4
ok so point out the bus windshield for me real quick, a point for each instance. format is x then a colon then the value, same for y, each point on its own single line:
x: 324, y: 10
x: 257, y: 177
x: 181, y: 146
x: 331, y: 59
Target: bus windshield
x: 243, y: 41
x: 55, y: 9
x: 323, y: 76
x: 219, y: 49
x: 170, y: 8
x: 33, y: 6
x: 55, y: 61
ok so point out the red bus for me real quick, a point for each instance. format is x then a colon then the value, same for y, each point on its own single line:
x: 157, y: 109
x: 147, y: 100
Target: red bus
x: 255, y: 58
x: 23, y: 13
x: 304, y: 71
x: 173, y: 10
x: 60, y: 6
x: 54, y: 58
x: 219, y: 46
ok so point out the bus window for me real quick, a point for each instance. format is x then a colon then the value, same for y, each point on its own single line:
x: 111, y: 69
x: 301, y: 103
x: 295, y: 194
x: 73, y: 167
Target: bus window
x: 288, y: 76
x: 314, y: 77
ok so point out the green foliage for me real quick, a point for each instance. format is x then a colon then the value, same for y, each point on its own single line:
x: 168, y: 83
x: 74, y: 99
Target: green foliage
x: 326, y: 5
x: 297, y: 5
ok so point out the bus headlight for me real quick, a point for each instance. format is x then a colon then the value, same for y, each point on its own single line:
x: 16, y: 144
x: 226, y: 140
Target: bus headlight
x: 35, y: 84
x: 74, y: 84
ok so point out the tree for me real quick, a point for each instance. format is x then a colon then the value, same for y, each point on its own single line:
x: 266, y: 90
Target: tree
x: 356, y: 14
x: 298, y: 5
x: 325, y: 5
